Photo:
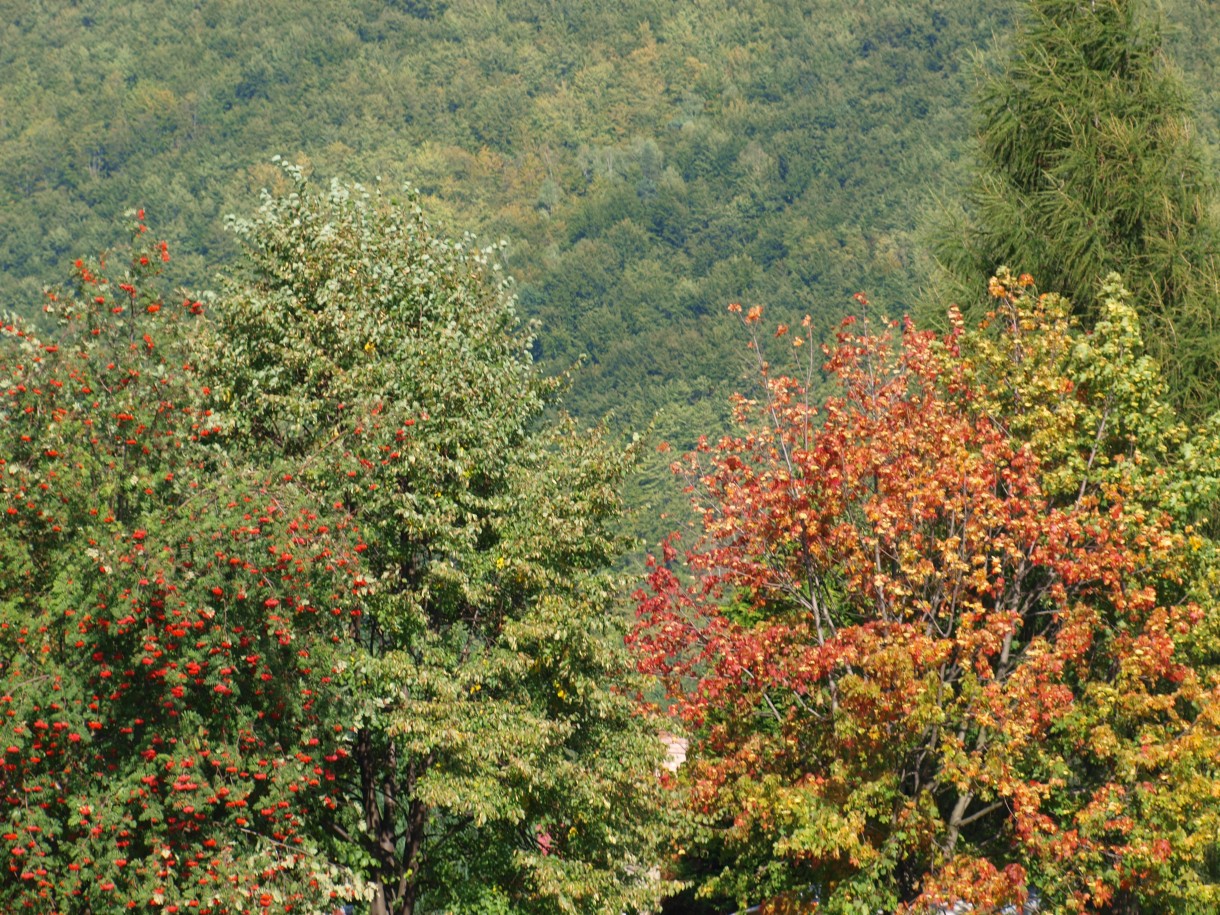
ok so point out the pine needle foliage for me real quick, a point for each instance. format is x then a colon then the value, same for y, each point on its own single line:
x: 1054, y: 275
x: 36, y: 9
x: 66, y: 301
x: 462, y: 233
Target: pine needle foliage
x: 1088, y: 164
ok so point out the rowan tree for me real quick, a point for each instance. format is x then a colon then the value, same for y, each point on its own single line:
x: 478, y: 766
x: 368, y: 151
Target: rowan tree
x: 493, y: 766
x: 1088, y: 164
x: 949, y: 636
x: 170, y: 727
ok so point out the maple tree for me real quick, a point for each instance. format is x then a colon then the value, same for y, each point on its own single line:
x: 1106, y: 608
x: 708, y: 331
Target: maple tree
x: 168, y: 620
x: 949, y: 636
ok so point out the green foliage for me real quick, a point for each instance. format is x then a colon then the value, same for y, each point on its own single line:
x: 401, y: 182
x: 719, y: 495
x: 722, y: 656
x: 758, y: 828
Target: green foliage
x: 1088, y: 164
x: 493, y: 765
x: 649, y: 162
x: 298, y: 598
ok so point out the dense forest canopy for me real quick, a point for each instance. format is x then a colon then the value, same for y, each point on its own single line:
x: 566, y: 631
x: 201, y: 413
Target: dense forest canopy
x: 648, y: 162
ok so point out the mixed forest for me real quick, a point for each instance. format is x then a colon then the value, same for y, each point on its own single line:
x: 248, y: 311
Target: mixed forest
x: 347, y: 350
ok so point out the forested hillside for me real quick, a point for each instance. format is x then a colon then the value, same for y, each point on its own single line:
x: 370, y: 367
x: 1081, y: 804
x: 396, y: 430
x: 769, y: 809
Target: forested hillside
x: 648, y: 162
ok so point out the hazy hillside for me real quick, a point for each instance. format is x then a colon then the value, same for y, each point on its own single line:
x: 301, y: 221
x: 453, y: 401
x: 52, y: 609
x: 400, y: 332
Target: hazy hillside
x: 648, y: 162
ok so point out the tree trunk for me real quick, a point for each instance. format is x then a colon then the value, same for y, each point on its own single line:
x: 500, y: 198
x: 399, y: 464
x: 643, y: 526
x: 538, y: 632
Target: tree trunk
x: 384, y: 800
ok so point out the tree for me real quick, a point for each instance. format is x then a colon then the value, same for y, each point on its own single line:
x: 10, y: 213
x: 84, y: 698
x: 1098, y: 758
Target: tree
x: 167, y: 626
x: 493, y: 767
x: 298, y: 597
x: 950, y: 637
x: 1088, y: 164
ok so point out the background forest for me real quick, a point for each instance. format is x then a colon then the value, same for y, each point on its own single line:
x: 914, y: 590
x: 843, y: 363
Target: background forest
x: 647, y: 162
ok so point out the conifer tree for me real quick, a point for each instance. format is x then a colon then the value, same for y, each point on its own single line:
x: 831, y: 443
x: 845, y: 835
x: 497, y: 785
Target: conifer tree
x: 1088, y: 165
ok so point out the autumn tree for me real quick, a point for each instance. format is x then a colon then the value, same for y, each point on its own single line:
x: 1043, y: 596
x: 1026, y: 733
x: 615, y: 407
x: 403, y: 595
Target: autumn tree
x: 170, y: 727
x: 950, y: 636
x: 493, y: 768
x: 1087, y: 164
